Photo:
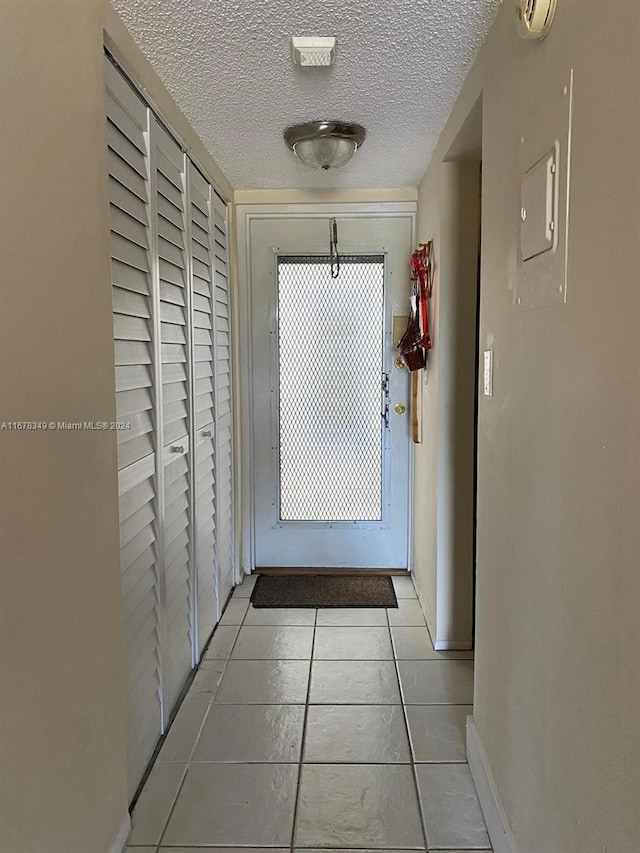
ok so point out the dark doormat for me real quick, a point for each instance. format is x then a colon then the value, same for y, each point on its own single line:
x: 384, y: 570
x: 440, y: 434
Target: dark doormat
x: 323, y: 591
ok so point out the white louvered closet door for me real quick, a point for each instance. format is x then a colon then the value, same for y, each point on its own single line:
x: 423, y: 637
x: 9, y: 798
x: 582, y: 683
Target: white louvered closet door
x: 175, y: 371
x: 129, y: 171
x: 224, y: 416
x: 173, y: 383
x: 205, y: 457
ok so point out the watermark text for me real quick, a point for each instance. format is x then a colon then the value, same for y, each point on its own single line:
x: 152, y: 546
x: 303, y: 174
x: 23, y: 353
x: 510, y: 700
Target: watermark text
x: 63, y: 426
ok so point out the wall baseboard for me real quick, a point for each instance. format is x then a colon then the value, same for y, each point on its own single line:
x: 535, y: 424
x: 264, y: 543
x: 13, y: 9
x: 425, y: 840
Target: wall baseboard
x: 502, y: 839
x: 431, y: 624
x: 439, y: 645
x: 452, y: 645
x: 121, y: 837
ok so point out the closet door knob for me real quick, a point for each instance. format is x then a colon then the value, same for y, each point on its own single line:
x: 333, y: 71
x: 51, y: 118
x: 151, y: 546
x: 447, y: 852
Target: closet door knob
x: 177, y: 448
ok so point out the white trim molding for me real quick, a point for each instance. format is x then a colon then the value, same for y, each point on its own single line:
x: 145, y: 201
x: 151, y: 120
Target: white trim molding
x: 502, y: 838
x: 244, y: 214
x: 328, y: 196
x: 121, y: 838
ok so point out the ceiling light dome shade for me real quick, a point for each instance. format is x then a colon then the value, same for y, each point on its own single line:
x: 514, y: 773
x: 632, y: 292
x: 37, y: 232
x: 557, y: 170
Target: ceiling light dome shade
x: 325, y: 144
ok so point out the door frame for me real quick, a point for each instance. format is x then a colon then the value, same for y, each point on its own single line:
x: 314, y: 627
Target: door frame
x: 244, y: 216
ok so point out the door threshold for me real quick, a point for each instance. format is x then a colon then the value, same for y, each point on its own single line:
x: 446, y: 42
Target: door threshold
x: 317, y: 570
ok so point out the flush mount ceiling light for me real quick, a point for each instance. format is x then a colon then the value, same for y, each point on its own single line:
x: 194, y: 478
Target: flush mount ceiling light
x: 325, y: 144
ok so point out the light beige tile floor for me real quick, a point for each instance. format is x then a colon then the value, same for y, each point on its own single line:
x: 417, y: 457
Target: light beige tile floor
x: 306, y: 731
x: 436, y: 682
x: 184, y: 732
x: 208, y: 676
x: 348, y: 805
x: 352, y: 643
x: 450, y: 807
x: 354, y: 682
x: 356, y: 734
x: 252, y: 733
x: 222, y: 643
x: 414, y: 643
x: 438, y: 732
x: 274, y: 642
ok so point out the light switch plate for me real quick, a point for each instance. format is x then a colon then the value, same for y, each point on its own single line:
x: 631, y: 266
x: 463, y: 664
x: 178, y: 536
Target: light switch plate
x: 488, y: 373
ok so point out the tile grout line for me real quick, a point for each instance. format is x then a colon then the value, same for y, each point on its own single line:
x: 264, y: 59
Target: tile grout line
x: 430, y: 763
x: 189, y: 761
x: 173, y: 805
x: 411, y: 752
x: 214, y: 693
x: 304, y: 735
x: 307, y: 703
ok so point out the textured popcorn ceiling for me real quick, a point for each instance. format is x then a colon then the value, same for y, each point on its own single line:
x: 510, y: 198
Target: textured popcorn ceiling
x: 399, y: 67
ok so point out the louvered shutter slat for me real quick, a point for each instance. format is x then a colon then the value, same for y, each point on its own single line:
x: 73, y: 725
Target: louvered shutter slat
x: 123, y: 148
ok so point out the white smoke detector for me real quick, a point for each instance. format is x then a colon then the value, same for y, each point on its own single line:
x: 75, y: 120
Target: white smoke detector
x: 313, y: 52
x: 535, y: 17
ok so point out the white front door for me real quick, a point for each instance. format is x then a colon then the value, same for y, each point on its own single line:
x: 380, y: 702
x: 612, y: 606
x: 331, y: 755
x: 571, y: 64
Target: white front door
x: 331, y: 450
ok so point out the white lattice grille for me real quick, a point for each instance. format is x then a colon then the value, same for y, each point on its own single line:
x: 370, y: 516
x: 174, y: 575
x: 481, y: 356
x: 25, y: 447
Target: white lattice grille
x: 330, y: 367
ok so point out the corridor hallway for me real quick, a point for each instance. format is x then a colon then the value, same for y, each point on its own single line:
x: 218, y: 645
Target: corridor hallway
x: 339, y: 729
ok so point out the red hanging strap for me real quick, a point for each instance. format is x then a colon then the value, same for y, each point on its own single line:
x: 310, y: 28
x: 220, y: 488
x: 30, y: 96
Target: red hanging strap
x: 421, y: 266
x: 424, y: 312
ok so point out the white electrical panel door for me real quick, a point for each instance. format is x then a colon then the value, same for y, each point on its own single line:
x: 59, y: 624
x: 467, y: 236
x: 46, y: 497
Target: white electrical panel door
x: 539, y: 205
x: 544, y: 161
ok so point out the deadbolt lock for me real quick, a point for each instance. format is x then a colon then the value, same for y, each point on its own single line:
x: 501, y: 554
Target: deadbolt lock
x: 399, y: 362
x: 400, y: 409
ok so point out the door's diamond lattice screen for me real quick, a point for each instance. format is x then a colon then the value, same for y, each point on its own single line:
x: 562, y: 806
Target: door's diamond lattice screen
x: 330, y: 351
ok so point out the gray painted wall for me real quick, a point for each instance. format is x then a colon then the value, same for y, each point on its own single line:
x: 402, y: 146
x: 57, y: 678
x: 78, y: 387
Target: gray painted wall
x: 558, y: 633
x: 62, y: 731
x: 62, y: 705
